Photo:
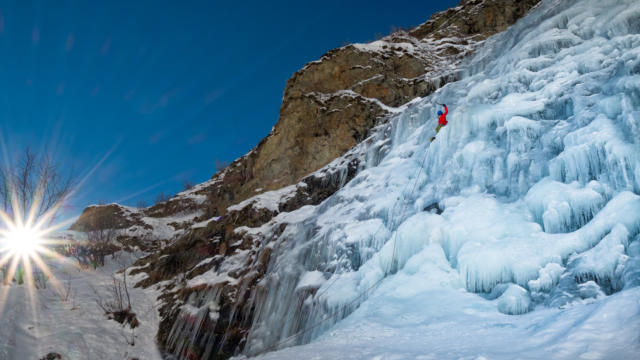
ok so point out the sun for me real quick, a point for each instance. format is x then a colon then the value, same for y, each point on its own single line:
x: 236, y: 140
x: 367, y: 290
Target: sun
x: 25, y: 249
x: 23, y: 241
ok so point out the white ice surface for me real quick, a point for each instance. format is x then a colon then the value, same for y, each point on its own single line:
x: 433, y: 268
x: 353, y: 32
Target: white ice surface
x: 415, y: 317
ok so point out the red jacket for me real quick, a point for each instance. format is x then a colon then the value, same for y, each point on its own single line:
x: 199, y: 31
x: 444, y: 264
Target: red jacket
x: 442, y: 120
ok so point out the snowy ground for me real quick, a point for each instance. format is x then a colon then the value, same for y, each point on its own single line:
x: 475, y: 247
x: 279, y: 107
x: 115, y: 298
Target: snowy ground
x: 35, y: 322
x: 425, y: 313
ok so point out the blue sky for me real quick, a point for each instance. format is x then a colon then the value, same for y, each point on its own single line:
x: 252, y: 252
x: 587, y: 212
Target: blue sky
x: 160, y: 90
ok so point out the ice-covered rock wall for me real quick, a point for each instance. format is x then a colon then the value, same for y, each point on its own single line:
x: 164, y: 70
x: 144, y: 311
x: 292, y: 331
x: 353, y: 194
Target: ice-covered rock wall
x: 529, y: 197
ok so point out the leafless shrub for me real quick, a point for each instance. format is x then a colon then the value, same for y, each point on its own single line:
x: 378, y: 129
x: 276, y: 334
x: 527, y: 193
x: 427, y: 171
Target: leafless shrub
x: 102, y: 242
x: 131, y: 340
x: 221, y: 165
x: 117, y: 305
x: 141, y: 204
x: 68, y: 294
x: 187, y: 185
x: 162, y: 197
x: 398, y: 29
x: 40, y: 279
x: 33, y: 182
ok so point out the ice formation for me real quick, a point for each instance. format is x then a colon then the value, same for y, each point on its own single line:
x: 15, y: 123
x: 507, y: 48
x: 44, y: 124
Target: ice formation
x: 537, y: 173
x: 514, y: 301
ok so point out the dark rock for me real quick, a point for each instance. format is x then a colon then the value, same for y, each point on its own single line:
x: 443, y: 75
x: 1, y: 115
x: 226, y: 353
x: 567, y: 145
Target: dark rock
x: 125, y: 316
x: 52, y: 356
x: 433, y: 208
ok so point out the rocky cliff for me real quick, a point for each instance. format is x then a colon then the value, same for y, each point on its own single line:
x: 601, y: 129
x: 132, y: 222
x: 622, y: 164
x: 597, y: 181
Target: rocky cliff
x: 332, y: 109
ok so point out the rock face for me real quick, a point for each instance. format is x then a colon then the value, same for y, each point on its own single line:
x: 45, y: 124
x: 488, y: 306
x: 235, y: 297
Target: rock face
x: 329, y: 107
x: 481, y: 18
x: 111, y: 216
x: 331, y: 104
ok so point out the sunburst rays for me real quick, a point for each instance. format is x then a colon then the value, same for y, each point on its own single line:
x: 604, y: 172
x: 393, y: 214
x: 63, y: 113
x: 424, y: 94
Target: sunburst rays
x: 26, y: 242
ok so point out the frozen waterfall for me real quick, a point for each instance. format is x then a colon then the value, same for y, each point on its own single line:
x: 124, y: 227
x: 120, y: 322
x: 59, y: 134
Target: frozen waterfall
x: 537, y: 174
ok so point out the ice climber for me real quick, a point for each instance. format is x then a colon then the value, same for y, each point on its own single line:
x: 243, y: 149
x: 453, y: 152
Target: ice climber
x: 442, y: 119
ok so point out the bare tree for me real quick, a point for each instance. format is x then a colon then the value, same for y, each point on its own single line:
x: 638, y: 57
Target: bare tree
x: 162, y: 197
x: 398, y: 29
x: 221, y: 165
x: 141, y: 204
x: 34, y: 183
x: 186, y: 185
x: 102, y: 242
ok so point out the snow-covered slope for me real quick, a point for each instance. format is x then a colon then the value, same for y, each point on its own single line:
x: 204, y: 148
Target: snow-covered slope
x: 64, y: 318
x: 538, y: 180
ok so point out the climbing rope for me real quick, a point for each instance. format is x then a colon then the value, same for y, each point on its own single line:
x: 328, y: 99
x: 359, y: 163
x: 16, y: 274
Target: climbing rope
x: 317, y: 295
x: 387, y: 271
x: 420, y: 169
x: 335, y: 275
x: 374, y: 285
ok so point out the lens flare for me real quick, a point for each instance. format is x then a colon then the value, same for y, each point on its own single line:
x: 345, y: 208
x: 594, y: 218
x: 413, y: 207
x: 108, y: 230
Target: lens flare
x: 22, y: 244
x: 32, y: 243
x: 27, y: 244
x: 23, y: 241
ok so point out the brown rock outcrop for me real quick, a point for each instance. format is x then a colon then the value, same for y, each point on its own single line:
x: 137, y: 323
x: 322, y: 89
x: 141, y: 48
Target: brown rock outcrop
x: 101, y: 217
x: 332, y: 103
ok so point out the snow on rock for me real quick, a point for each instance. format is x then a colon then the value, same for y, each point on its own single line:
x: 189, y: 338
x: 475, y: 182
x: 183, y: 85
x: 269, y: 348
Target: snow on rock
x: 269, y: 200
x: 165, y: 227
x: 204, y: 223
x: 381, y: 46
x: 145, y: 224
x: 197, y: 192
